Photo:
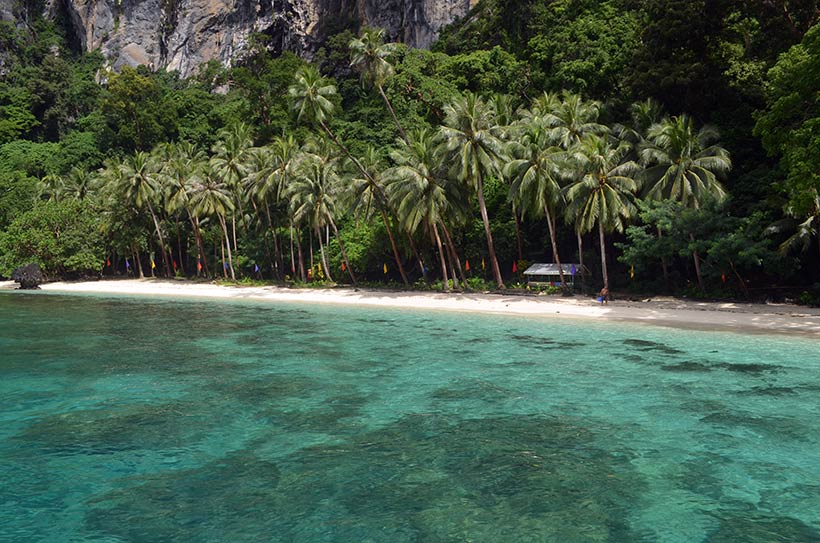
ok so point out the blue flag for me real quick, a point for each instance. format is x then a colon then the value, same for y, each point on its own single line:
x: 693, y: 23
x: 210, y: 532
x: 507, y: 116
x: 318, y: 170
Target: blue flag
x: 574, y: 270
x: 256, y: 268
x: 225, y: 265
x: 127, y: 264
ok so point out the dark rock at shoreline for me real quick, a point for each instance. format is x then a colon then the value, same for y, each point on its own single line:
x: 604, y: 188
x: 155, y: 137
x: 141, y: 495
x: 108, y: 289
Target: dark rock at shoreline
x: 29, y: 276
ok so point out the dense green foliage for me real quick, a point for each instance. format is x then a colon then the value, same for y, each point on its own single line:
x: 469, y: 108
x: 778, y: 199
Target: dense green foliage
x: 686, y: 132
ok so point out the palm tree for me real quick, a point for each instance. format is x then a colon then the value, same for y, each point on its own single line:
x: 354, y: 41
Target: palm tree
x: 604, y: 195
x: 475, y: 153
x: 140, y: 188
x: 271, y: 174
x: 210, y: 196
x: 417, y: 191
x: 182, y: 164
x: 311, y: 98
x: 231, y: 161
x: 683, y: 165
x: 313, y: 197
x: 369, y: 54
x: 535, y: 178
x: 571, y: 118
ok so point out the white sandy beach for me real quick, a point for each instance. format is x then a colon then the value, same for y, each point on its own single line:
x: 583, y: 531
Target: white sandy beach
x: 768, y: 318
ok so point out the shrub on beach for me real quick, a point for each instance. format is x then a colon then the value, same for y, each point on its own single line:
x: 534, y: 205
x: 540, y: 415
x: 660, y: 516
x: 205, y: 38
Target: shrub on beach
x: 63, y: 237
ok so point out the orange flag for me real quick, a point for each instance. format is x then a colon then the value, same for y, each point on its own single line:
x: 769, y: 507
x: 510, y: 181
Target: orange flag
x: 467, y: 265
x: 385, y: 267
x: 343, y: 266
x: 515, y: 267
x: 482, y: 263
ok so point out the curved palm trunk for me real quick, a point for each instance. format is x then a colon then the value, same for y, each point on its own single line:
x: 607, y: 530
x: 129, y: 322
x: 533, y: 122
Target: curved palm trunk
x: 322, y: 253
x: 554, y: 242
x: 603, y: 255
x: 393, y: 114
x: 369, y: 177
x: 161, y: 241
x: 486, y: 220
x: 443, y: 262
x: 342, y: 249
x: 228, y: 244
x: 454, y: 253
x: 417, y: 255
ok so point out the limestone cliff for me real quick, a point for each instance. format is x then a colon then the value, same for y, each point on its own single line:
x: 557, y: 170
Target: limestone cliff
x: 182, y: 34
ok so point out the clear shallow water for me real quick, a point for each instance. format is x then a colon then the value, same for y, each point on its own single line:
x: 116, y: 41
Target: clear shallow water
x: 124, y: 420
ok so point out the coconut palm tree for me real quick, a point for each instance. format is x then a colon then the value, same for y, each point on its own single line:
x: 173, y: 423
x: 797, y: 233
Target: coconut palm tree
x: 211, y: 197
x: 683, y: 164
x: 140, y: 188
x: 369, y: 55
x: 535, y: 173
x: 311, y: 99
x: 183, y: 162
x: 571, y: 118
x: 417, y: 190
x: 604, y: 195
x: 231, y: 161
x: 313, y: 197
x: 475, y: 153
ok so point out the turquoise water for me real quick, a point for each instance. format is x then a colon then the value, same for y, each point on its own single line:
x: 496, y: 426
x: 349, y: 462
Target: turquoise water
x: 186, y: 421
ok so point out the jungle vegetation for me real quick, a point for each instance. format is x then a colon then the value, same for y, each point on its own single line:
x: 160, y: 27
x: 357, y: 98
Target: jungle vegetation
x: 669, y: 146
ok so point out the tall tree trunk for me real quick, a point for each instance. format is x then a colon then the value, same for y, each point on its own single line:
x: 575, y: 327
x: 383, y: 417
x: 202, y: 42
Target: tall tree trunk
x: 454, y: 254
x: 179, y: 247
x: 342, y: 249
x: 417, y: 255
x: 222, y: 253
x: 581, y: 262
x: 518, y: 232
x: 302, y: 273
x: 292, y: 261
x: 138, y: 263
x: 603, y: 255
x: 395, y: 249
x: 448, y: 250
x: 442, y: 260
x: 393, y: 114
x: 554, y: 242
x: 740, y: 280
x: 228, y: 243
x: 664, y: 266
x: 697, y: 265
x: 324, y: 258
x: 159, y: 238
x: 490, y: 247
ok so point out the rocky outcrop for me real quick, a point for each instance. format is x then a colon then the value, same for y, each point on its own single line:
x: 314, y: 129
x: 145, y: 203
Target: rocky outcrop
x: 29, y: 276
x: 182, y: 34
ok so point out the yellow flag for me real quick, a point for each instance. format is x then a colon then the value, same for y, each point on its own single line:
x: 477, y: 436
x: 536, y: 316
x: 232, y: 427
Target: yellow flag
x: 385, y: 267
x: 632, y: 272
x: 482, y: 263
x: 152, y: 264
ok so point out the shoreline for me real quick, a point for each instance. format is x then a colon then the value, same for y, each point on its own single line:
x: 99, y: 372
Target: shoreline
x: 663, y: 311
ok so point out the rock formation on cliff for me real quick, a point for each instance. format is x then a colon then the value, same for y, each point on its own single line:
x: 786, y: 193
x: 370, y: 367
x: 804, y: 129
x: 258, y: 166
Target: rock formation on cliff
x: 182, y: 34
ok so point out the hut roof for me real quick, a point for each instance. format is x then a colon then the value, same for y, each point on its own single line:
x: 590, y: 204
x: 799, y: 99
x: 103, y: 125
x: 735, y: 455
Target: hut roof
x: 552, y: 269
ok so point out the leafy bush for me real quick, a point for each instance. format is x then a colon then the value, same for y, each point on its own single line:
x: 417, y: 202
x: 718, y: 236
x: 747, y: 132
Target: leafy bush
x: 62, y: 237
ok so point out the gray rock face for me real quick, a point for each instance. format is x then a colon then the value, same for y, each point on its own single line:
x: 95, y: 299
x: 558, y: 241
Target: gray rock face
x: 182, y: 34
x: 29, y: 276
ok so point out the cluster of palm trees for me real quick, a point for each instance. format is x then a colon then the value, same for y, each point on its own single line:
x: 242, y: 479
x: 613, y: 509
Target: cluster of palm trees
x: 559, y: 162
